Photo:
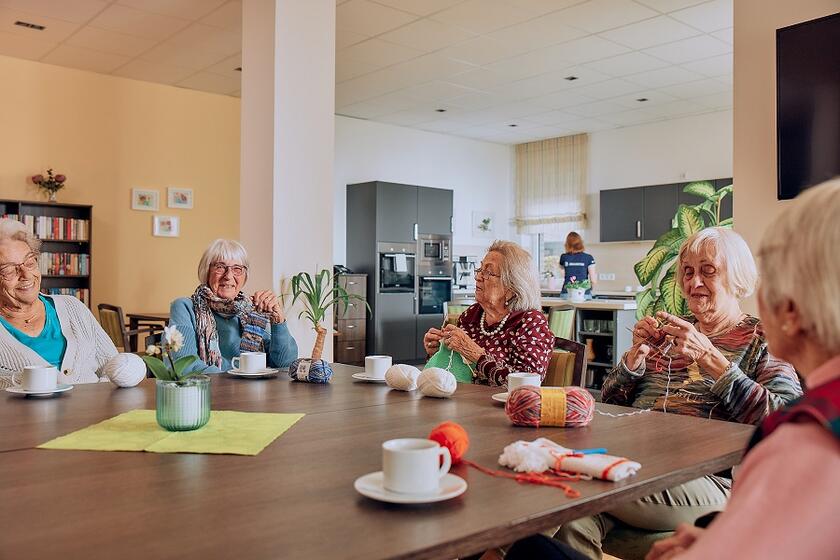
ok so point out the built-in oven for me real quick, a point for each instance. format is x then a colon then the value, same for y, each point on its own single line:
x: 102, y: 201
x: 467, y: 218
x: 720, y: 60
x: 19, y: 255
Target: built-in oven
x: 397, y: 267
x: 433, y: 252
x: 434, y: 292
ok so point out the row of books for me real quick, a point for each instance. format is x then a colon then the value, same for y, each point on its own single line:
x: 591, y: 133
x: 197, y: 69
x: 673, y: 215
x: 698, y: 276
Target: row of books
x: 65, y: 264
x: 55, y: 228
x: 81, y: 293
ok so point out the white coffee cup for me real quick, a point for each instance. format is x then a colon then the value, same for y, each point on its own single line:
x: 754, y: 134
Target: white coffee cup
x: 36, y: 378
x: 249, y: 362
x: 518, y: 379
x: 376, y: 366
x: 412, y: 465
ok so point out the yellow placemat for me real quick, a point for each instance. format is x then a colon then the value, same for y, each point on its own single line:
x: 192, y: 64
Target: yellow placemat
x: 237, y: 433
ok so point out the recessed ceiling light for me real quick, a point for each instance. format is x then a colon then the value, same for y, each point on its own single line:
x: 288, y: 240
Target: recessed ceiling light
x: 238, y: 69
x: 571, y: 78
x: 440, y: 110
x: 30, y: 25
x: 513, y: 125
x: 642, y: 99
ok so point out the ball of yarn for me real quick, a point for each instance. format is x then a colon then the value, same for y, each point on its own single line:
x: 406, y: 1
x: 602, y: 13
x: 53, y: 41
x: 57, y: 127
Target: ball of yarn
x: 402, y: 377
x: 436, y: 382
x: 125, y: 370
x: 310, y: 371
x: 550, y: 406
x: 452, y: 436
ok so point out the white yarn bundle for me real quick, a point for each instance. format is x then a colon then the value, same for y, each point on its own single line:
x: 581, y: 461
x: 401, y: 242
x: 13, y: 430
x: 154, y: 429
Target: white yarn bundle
x: 125, y: 370
x: 402, y: 377
x: 436, y: 382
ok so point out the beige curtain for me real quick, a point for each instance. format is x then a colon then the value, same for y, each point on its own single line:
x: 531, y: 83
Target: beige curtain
x: 551, y: 179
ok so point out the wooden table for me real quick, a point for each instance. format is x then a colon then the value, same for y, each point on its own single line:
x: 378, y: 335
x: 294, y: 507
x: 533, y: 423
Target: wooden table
x: 296, y: 499
x: 134, y: 320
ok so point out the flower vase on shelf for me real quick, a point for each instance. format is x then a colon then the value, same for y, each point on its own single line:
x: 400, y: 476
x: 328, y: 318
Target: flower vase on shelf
x: 577, y: 295
x: 52, y: 197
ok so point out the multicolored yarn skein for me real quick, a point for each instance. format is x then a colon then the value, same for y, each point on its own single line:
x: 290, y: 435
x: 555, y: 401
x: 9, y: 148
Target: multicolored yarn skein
x: 550, y: 406
x: 310, y: 371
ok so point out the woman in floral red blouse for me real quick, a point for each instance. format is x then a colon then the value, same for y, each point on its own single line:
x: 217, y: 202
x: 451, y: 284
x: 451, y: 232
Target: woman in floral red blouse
x: 505, y: 331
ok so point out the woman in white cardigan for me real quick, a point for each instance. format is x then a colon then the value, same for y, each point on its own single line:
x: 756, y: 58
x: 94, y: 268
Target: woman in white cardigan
x: 43, y: 330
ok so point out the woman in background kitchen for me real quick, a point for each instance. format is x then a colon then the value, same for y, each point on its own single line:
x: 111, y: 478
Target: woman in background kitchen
x: 577, y: 264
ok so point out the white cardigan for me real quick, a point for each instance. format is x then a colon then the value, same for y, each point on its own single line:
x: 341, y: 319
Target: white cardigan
x: 88, y: 346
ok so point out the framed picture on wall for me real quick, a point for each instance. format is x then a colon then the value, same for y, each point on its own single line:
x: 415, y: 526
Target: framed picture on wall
x: 145, y: 199
x: 166, y: 226
x: 179, y: 198
x: 483, y: 224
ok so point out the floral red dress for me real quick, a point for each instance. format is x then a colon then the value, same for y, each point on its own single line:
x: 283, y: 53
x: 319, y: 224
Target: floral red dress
x: 524, y: 344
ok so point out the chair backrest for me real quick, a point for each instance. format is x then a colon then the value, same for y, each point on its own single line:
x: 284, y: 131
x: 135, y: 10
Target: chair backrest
x: 453, y: 310
x: 567, y: 365
x: 112, y: 321
x: 561, y: 321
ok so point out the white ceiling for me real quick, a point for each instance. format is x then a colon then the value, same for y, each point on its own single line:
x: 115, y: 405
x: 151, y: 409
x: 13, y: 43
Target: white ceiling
x: 489, y: 63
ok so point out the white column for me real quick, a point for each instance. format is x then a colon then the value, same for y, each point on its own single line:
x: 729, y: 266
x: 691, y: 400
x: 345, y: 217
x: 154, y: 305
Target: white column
x: 288, y: 138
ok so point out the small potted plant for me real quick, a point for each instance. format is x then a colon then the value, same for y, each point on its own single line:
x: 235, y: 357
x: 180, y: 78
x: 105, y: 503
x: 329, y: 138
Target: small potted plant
x: 51, y: 183
x: 577, y: 289
x: 318, y: 294
x: 182, y: 401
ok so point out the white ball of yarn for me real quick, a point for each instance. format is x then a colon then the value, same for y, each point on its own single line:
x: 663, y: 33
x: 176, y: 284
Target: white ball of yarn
x: 436, y: 382
x: 402, y: 377
x: 125, y: 370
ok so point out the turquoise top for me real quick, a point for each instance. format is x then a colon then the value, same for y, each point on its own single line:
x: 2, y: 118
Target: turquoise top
x: 50, y: 344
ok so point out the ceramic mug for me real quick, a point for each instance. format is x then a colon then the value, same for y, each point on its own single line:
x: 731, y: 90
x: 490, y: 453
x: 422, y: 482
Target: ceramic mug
x: 412, y: 465
x: 36, y: 378
x: 376, y: 366
x: 518, y: 379
x: 249, y: 362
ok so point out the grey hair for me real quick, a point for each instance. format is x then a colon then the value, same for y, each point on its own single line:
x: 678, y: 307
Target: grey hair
x: 805, y: 238
x: 736, y: 260
x: 518, y: 276
x: 221, y: 250
x: 13, y: 230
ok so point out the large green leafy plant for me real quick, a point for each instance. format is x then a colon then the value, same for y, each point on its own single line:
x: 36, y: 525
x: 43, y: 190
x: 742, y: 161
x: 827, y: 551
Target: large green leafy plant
x: 657, y: 272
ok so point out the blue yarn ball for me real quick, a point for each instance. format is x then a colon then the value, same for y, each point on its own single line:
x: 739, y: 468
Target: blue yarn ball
x: 319, y: 371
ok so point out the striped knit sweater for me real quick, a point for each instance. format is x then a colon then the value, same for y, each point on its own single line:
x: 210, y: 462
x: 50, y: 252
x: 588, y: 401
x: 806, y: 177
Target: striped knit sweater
x: 755, y: 385
x: 88, y: 347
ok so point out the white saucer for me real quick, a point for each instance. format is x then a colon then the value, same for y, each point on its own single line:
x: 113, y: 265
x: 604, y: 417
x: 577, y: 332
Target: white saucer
x: 259, y: 373
x: 500, y: 397
x: 363, y: 376
x: 19, y: 391
x: 370, y: 485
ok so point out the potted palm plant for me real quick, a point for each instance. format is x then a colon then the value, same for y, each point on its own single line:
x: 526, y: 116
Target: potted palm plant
x: 318, y: 294
x: 182, y: 400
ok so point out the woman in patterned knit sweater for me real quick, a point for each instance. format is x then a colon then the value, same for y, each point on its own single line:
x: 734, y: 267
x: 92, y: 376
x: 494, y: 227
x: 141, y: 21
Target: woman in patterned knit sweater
x: 505, y: 331
x: 718, y: 366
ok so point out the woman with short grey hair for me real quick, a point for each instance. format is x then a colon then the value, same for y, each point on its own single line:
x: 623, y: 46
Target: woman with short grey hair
x: 505, y: 331
x: 42, y: 330
x: 220, y: 321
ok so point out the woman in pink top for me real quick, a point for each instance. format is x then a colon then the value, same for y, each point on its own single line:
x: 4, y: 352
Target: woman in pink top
x: 786, y: 499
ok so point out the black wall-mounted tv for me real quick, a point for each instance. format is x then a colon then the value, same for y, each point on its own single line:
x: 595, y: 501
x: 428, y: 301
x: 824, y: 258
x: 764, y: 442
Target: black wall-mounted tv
x: 808, y: 104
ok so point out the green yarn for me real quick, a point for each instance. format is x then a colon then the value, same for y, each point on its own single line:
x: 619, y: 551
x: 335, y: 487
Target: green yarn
x: 452, y: 362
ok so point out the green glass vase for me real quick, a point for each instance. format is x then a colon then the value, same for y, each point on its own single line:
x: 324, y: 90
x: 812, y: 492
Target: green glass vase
x: 184, y: 405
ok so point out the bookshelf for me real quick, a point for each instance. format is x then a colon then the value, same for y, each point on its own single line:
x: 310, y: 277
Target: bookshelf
x: 65, y: 234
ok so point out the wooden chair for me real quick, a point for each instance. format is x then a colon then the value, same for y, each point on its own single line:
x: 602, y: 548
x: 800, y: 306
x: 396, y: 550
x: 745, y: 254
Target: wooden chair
x: 567, y: 365
x: 561, y: 321
x: 113, y: 322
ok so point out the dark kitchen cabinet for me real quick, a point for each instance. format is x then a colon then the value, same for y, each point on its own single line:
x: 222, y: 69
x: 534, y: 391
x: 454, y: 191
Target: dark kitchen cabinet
x: 622, y: 213
x: 396, y: 212
x: 434, y: 210
x: 660, y: 205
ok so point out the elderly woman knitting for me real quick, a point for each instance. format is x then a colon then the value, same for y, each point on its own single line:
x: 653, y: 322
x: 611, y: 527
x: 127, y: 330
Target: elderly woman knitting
x: 43, y: 330
x: 220, y: 321
x: 505, y: 331
x: 713, y: 364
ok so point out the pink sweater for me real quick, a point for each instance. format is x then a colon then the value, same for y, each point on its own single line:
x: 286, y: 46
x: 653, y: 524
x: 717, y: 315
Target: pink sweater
x: 786, y: 499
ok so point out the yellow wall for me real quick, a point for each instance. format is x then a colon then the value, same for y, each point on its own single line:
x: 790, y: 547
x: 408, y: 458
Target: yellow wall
x: 108, y: 135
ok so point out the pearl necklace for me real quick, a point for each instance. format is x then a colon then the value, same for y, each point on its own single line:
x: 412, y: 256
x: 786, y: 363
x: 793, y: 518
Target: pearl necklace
x: 495, y: 331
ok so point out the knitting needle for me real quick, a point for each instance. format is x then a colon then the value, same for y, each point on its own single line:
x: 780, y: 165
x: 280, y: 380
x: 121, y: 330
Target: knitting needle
x: 593, y: 451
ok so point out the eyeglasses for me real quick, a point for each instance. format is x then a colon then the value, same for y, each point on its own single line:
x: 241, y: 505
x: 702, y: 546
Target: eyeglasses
x: 10, y: 271
x: 221, y: 269
x: 484, y: 272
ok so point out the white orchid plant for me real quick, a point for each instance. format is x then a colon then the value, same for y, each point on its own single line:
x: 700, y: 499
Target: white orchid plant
x: 172, y: 341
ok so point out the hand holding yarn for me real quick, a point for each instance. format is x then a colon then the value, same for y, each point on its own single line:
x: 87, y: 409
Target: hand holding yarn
x: 436, y: 382
x: 125, y: 370
x: 402, y: 377
x: 550, y: 406
x: 458, y: 340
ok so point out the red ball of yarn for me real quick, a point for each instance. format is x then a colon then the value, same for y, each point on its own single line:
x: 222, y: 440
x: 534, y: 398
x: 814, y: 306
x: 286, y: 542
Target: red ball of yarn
x: 538, y: 406
x: 453, y: 437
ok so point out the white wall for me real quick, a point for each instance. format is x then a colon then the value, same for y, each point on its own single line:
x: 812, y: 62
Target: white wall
x: 479, y: 173
x: 691, y: 148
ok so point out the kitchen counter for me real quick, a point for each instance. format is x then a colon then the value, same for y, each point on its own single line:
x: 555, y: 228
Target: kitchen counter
x: 619, y: 294
x: 605, y: 304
